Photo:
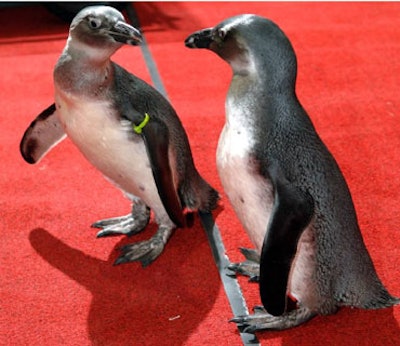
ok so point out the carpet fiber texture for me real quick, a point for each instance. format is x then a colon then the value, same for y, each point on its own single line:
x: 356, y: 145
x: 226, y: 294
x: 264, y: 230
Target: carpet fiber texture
x: 57, y: 282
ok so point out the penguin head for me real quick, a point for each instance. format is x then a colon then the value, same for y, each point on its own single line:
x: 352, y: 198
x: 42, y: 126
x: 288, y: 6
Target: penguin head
x: 249, y: 43
x: 102, y: 28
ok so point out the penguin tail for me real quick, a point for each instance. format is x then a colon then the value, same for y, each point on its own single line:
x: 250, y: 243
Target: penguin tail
x: 384, y: 301
x: 209, y: 197
x: 381, y: 299
x: 211, y: 200
x: 199, y: 195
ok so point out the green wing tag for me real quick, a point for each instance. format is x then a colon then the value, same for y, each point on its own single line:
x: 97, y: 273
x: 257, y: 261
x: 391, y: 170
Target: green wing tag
x: 138, y: 129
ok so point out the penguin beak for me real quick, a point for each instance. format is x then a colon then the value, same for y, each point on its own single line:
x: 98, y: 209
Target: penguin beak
x: 125, y: 33
x: 200, y: 39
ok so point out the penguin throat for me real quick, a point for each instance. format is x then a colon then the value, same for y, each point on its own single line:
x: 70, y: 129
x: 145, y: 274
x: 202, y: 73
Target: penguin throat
x: 242, y: 66
x: 239, y: 58
x: 83, y: 53
x: 79, y: 76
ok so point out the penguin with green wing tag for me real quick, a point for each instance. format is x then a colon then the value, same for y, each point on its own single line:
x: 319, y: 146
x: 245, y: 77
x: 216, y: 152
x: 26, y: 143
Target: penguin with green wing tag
x: 125, y: 128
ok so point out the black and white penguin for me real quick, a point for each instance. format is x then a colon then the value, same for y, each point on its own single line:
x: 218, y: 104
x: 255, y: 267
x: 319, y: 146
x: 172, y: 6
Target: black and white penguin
x: 285, y: 186
x: 125, y: 128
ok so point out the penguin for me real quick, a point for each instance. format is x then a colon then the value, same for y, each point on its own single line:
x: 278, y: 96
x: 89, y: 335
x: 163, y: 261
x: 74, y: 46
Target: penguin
x: 126, y: 129
x: 285, y: 186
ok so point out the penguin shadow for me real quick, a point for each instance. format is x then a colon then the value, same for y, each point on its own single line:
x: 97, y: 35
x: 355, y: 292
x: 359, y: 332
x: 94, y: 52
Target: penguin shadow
x: 160, y: 304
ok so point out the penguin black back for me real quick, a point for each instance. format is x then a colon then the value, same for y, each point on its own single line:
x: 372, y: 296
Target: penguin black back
x: 284, y: 184
x: 134, y: 97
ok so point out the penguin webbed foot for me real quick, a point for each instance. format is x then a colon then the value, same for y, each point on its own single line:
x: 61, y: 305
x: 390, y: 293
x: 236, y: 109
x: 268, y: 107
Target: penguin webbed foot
x: 129, y: 225
x: 262, y: 320
x: 250, y: 267
x: 145, y: 251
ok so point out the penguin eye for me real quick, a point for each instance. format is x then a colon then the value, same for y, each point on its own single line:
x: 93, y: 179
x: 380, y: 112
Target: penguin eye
x: 94, y: 23
x: 221, y: 33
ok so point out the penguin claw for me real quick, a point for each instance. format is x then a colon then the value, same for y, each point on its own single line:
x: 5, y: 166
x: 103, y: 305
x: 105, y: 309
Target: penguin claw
x: 234, y: 267
x: 250, y: 267
x: 250, y: 323
x: 259, y: 309
x: 262, y: 320
x: 145, y: 252
x: 111, y: 222
x: 246, y: 268
x: 113, y: 231
x: 125, y: 225
x: 107, y: 232
x: 129, y: 225
x: 238, y: 319
x: 250, y: 254
x: 254, y: 278
x: 250, y: 329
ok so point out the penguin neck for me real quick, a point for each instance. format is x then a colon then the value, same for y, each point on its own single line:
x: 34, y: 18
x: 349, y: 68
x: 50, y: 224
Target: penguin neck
x: 83, y: 70
x: 253, y: 92
x: 89, y: 54
x: 274, y: 71
x: 262, y: 84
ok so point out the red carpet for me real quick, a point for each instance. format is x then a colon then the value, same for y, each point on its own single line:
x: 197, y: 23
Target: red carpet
x: 57, y: 282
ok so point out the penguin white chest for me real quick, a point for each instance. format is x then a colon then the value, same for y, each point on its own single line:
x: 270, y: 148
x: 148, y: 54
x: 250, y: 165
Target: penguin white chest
x: 249, y: 193
x: 109, y: 144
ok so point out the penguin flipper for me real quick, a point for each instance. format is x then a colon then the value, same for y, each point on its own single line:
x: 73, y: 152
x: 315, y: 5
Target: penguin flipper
x: 292, y: 212
x: 156, y: 138
x: 43, y: 133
